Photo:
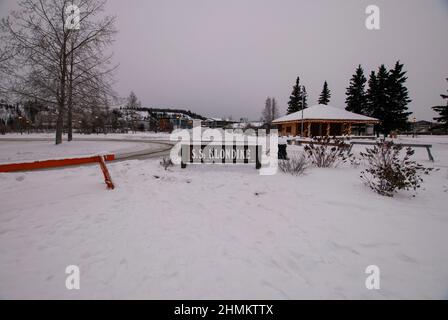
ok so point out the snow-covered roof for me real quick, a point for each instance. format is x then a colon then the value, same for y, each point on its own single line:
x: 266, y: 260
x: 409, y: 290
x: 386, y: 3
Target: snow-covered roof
x: 323, y: 112
x: 242, y: 125
x: 213, y: 119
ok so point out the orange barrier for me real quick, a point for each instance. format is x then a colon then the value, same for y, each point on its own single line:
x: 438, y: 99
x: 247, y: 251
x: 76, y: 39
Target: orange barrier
x: 45, y: 164
x: 107, y: 178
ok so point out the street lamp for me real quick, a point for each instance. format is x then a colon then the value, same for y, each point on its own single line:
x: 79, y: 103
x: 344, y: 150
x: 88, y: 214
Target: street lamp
x: 96, y: 124
x: 303, y: 107
x: 20, y: 125
x: 414, y: 120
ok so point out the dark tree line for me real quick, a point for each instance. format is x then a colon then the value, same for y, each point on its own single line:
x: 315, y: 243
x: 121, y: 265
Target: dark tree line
x: 443, y: 113
x: 385, y: 98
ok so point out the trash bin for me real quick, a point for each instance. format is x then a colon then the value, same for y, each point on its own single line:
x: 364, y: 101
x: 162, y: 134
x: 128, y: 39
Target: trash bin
x: 282, y: 153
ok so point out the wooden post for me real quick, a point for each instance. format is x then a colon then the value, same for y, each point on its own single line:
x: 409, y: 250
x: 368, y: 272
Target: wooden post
x: 257, y: 157
x: 309, y: 130
x: 107, y: 178
x: 328, y: 129
x: 294, y: 130
x: 184, y: 149
x: 349, y: 129
x: 431, y: 158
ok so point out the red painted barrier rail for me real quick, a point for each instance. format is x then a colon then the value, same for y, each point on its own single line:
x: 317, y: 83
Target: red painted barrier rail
x: 46, y: 164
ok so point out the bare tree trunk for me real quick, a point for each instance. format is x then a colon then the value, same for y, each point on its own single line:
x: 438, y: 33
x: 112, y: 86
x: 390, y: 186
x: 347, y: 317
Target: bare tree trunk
x: 61, y: 106
x: 60, y: 123
x: 69, y: 122
x: 70, y: 99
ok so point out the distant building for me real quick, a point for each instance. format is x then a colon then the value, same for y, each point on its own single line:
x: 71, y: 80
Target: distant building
x: 158, y: 119
x: 248, y: 125
x: 218, y: 123
x: 423, y: 127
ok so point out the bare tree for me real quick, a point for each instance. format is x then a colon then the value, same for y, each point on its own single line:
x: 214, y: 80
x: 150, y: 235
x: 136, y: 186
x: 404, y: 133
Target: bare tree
x: 90, y: 75
x: 267, y: 111
x: 132, y: 105
x: 49, y: 50
x: 6, y: 55
x: 270, y: 111
x: 274, y: 110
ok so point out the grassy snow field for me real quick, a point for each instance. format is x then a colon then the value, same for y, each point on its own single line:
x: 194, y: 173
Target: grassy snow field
x: 221, y: 232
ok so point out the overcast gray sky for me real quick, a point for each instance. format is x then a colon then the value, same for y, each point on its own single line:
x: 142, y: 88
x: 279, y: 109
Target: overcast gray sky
x: 224, y: 57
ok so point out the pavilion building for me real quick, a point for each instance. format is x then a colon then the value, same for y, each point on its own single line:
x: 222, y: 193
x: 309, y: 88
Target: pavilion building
x: 323, y: 120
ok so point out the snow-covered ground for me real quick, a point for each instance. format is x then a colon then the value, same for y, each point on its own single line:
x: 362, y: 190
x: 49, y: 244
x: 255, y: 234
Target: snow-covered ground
x: 221, y: 232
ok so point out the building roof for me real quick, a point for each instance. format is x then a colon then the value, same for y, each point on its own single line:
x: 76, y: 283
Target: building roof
x: 323, y: 112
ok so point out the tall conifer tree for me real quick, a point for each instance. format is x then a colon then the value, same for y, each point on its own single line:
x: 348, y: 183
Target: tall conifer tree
x: 398, y: 94
x: 298, y: 98
x: 443, y: 113
x: 325, y: 95
x: 356, y: 100
x: 388, y: 97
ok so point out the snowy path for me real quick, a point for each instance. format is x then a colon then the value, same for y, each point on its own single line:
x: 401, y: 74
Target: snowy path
x: 218, y: 232
x: 34, y: 149
x: 115, y: 136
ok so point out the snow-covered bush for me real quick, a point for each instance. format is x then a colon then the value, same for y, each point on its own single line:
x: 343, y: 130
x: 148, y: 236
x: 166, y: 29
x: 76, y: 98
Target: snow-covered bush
x: 295, y: 165
x: 166, y: 163
x: 389, y: 171
x: 327, y: 153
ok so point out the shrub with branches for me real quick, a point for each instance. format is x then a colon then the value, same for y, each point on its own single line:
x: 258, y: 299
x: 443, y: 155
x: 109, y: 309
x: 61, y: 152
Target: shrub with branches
x: 388, y: 171
x: 326, y: 152
x: 166, y: 163
x: 296, y: 165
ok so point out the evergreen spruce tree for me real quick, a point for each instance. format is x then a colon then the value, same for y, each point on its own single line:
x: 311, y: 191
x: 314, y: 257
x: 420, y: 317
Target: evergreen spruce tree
x: 388, y: 97
x: 377, y: 98
x: 297, y: 100
x: 371, y: 95
x: 398, y: 94
x: 356, y: 100
x: 325, y: 95
x: 443, y: 113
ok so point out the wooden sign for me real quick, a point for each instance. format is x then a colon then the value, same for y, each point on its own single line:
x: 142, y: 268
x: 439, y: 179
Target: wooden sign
x: 220, y: 154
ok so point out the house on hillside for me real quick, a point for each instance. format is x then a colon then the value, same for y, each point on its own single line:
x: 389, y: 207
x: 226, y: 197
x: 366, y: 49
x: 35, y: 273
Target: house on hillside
x: 423, y: 127
x: 215, y: 123
x: 323, y: 120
